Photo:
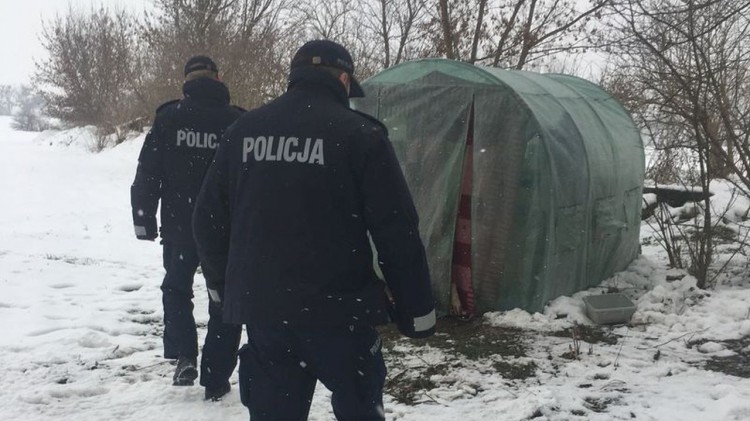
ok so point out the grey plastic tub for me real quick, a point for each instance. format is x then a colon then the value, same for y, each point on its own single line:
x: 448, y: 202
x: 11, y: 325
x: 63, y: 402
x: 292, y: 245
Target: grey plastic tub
x: 609, y: 308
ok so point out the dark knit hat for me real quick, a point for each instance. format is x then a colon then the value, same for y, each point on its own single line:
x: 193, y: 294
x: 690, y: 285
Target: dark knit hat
x: 200, y: 63
x: 323, y: 52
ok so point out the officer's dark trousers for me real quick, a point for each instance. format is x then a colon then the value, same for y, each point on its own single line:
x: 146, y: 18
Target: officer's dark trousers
x: 280, y: 367
x: 180, y: 336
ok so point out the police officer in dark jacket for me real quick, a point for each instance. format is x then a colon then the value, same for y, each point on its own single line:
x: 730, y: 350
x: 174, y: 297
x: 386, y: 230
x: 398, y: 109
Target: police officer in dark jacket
x: 282, y: 224
x: 171, y: 166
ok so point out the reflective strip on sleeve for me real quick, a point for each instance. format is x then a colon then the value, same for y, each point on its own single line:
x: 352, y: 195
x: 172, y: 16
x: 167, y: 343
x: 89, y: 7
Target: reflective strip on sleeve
x: 425, y: 322
x: 214, y: 294
x: 140, y: 231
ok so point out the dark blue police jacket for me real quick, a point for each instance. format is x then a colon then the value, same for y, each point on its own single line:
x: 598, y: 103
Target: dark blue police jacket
x: 176, y: 154
x: 283, y: 217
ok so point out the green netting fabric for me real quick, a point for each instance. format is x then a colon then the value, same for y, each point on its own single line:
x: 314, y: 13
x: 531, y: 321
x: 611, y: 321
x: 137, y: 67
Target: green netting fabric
x: 557, y: 176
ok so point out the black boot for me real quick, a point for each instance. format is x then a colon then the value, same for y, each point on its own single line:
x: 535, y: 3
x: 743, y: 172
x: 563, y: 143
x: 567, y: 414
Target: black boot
x: 215, y: 394
x: 185, y: 373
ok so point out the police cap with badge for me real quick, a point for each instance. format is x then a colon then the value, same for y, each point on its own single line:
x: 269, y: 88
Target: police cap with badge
x: 329, y: 54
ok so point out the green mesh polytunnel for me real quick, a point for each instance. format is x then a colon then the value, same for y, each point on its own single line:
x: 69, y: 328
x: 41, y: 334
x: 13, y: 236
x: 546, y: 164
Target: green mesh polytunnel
x: 543, y: 171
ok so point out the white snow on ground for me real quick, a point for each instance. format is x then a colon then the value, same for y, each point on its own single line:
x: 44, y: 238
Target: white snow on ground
x: 80, y: 319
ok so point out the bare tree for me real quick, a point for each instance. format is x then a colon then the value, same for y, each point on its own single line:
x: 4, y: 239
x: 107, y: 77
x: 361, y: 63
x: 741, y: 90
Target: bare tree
x: 244, y: 36
x: 394, y: 24
x: 177, y: 30
x: 340, y: 21
x: 686, y: 64
x: 108, y: 69
x: 513, y: 33
x: 256, y: 56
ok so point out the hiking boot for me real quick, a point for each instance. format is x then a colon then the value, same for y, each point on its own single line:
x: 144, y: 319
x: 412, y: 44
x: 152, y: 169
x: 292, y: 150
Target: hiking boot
x: 185, y: 373
x: 215, y: 394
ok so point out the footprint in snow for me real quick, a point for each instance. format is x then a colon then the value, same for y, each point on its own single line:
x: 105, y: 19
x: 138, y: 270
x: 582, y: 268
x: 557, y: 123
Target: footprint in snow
x: 130, y: 287
x: 62, y: 285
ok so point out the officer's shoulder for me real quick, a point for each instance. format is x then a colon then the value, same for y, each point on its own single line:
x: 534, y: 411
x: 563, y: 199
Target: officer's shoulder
x: 166, y: 105
x: 372, y: 121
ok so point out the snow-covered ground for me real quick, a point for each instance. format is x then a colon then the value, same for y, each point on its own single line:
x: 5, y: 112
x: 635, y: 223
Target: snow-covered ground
x: 80, y: 315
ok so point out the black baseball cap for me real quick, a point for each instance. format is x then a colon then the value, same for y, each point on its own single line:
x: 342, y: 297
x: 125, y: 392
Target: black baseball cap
x: 200, y: 63
x: 322, y: 52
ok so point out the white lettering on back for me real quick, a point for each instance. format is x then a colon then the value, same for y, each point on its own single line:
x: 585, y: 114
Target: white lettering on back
x: 316, y: 156
x: 181, y: 134
x: 260, y: 148
x: 287, y: 149
x: 289, y: 154
x: 199, y: 140
x: 247, y: 147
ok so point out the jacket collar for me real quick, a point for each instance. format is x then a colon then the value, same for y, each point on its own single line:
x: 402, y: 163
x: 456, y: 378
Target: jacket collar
x: 206, y: 89
x: 311, y: 78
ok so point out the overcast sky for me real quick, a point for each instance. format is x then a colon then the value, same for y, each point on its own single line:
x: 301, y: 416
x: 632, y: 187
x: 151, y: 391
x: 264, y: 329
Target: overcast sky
x: 21, y: 23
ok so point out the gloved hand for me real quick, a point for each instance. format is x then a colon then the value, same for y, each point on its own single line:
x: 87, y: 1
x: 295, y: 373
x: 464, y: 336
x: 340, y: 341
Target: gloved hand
x: 216, y: 295
x: 416, y: 327
x: 145, y: 229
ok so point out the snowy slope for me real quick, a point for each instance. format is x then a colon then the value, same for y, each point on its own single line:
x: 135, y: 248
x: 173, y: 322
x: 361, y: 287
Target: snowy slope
x: 80, y: 318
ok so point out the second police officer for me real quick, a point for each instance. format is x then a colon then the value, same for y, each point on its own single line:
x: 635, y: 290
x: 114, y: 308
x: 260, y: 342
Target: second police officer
x: 171, y: 166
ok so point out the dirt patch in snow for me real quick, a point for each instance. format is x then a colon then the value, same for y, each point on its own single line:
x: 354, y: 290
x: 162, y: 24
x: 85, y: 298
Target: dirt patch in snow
x: 735, y: 365
x: 467, y: 344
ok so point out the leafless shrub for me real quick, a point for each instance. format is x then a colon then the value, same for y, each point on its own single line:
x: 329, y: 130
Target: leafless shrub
x: 85, y: 80
x: 27, y: 115
x: 8, y: 99
x: 245, y: 37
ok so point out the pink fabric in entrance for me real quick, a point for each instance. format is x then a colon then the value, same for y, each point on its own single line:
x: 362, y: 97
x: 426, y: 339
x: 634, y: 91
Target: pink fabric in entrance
x: 461, y: 269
